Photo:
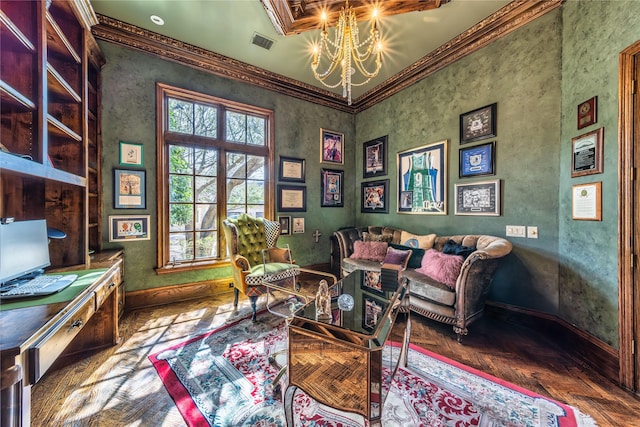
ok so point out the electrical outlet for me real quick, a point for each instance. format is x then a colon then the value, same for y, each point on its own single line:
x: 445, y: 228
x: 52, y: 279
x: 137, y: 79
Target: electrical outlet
x: 516, y: 231
x: 532, y: 232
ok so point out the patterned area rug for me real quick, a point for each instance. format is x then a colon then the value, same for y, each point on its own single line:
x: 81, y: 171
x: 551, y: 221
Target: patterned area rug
x: 225, y: 378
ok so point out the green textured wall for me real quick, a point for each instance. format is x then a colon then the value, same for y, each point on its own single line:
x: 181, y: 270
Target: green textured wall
x: 537, y: 75
x: 594, y: 32
x: 128, y: 114
x: 521, y: 73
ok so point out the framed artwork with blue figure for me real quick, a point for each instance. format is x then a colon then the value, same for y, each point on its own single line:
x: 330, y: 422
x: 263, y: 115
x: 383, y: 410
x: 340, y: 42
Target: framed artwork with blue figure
x: 422, y: 179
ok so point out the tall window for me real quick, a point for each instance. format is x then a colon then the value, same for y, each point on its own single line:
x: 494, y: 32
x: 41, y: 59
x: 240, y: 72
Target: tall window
x: 214, y: 161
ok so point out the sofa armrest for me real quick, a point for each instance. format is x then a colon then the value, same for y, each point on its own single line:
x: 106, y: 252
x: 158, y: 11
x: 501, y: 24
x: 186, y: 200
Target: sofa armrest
x: 488, y: 247
x: 476, y: 275
x: 345, y: 239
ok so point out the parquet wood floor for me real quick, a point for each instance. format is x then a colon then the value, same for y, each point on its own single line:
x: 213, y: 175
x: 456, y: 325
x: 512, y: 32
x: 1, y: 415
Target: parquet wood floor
x: 119, y: 387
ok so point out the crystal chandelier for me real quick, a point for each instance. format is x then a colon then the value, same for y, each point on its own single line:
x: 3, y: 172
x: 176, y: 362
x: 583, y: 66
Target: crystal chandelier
x: 344, y: 52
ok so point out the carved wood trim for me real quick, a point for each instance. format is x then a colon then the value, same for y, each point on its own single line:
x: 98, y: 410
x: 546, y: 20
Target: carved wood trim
x: 128, y: 35
x: 628, y: 204
x: 501, y: 23
x: 297, y: 16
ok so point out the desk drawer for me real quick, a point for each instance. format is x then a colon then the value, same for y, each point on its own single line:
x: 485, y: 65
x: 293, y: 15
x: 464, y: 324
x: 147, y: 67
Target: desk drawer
x: 47, y: 349
x: 107, y: 285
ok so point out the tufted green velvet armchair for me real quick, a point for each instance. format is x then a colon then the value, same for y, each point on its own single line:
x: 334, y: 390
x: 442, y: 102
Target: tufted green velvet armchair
x: 247, y: 237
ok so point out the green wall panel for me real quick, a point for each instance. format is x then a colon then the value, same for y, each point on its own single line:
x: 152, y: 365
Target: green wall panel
x: 128, y: 114
x: 594, y: 32
x: 537, y: 75
x: 521, y: 73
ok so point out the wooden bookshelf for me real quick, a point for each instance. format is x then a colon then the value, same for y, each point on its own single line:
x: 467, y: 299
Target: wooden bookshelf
x: 50, y: 104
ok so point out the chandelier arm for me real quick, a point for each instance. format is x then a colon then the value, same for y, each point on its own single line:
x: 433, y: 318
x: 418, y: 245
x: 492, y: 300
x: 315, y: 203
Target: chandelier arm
x: 365, y: 72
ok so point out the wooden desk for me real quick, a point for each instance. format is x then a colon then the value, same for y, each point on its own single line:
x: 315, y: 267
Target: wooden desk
x: 34, y: 335
x: 338, y: 361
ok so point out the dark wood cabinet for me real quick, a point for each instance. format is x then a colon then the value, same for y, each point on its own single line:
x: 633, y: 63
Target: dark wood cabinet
x: 50, y: 129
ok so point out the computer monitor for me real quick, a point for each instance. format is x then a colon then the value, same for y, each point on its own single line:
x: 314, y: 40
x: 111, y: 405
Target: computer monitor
x: 24, y: 248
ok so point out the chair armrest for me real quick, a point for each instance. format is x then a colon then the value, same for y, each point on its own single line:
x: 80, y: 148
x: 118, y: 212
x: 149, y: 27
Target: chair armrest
x: 241, y: 263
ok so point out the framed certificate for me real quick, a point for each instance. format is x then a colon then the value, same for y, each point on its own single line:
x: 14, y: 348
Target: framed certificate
x: 292, y: 198
x: 292, y: 169
x: 586, y: 201
x: 587, y: 153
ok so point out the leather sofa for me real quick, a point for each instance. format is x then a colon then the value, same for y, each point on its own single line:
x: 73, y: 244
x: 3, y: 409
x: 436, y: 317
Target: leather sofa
x: 458, y: 306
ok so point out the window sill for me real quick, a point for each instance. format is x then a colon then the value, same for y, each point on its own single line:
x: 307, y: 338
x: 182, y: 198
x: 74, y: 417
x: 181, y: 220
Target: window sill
x: 191, y: 266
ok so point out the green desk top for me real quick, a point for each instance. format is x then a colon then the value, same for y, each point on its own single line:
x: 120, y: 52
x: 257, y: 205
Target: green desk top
x: 85, y: 278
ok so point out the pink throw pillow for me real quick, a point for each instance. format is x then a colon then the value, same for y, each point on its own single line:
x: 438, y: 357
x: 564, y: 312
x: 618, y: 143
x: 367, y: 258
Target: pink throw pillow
x: 441, y: 267
x: 374, y: 251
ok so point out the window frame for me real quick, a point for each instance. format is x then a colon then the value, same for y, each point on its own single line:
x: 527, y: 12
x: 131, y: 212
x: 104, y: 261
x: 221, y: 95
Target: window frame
x: 163, y: 92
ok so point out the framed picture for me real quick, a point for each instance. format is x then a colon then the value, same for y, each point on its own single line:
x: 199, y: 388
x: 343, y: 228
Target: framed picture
x: 587, y: 153
x: 129, y: 189
x: 372, y: 282
x: 285, y: 225
x: 292, y: 169
x: 374, y: 157
x: 128, y: 227
x: 292, y: 198
x: 131, y: 154
x: 331, y: 147
x: 372, y: 310
x: 298, y: 226
x: 478, y: 124
x: 587, y: 112
x: 478, y: 198
x: 375, y: 196
x: 332, y: 188
x: 422, y: 179
x: 586, y: 202
x: 478, y: 160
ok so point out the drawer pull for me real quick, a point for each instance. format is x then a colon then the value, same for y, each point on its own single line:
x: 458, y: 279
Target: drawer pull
x: 76, y: 324
x: 111, y: 285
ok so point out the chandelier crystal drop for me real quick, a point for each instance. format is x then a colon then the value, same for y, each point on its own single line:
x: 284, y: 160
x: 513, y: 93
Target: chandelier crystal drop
x: 347, y: 53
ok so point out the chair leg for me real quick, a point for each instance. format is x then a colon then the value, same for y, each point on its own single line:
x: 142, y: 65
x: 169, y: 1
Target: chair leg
x: 236, y: 292
x: 253, y: 301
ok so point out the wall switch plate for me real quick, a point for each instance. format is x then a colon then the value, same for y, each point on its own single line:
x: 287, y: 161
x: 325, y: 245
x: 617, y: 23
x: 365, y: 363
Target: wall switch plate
x: 532, y: 232
x: 516, y: 231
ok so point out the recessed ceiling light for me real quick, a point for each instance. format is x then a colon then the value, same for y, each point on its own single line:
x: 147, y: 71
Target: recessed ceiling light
x: 157, y: 20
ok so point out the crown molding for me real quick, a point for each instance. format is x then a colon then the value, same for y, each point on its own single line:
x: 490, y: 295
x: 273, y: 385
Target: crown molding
x: 504, y: 21
x: 131, y: 36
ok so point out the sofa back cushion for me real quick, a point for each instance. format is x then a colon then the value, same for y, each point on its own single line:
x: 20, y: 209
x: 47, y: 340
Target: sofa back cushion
x: 424, y: 242
x: 375, y: 251
x: 441, y: 267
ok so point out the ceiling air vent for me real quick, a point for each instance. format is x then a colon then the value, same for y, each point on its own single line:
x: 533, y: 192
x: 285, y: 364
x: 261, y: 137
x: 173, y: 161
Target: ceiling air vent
x: 261, y: 41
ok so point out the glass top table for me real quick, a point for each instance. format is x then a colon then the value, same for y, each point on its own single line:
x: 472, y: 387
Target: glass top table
x: 338, y: 359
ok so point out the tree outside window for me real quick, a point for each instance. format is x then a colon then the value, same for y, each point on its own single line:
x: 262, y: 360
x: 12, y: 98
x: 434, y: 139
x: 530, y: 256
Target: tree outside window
x: 210, y: 147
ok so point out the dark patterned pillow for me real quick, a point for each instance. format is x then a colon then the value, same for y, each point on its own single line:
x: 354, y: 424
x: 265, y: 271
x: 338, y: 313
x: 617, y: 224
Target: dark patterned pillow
x: 453, y: 248
x: 415, y: 260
